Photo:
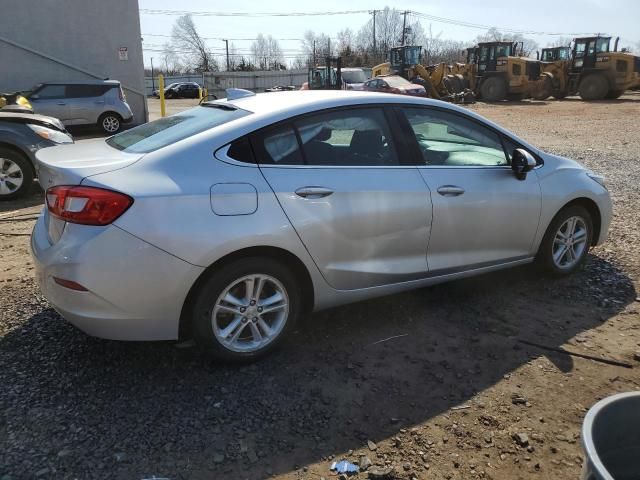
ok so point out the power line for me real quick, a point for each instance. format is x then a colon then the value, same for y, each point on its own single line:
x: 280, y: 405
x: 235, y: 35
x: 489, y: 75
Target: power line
x: 220, y: 38
x: 433, y: 18
x: 461, y: 23
x: 148, y: 11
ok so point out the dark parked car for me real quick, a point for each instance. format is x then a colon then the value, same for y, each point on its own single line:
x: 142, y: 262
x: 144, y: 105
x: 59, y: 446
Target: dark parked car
x: 394, y: 84
x: 21, y: 136
x: 182, y: 90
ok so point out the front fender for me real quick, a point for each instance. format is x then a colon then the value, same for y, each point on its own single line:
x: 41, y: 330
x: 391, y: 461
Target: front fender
x: 566, y: 183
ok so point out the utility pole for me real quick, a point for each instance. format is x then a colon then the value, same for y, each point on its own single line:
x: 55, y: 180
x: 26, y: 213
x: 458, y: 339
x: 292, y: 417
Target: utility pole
x: 153, y: 79
x: 373, y: 12
x: 314, y: 54
x: 404, y: 25
x: 227, y: 46
x: 328, y: 47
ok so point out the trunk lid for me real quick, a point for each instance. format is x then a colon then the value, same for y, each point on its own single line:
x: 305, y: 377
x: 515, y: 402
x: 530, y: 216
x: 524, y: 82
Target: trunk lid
x: 70, y: 164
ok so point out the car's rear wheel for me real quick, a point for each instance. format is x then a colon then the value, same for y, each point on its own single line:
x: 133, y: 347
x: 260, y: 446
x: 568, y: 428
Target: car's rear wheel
x: 110, y: 123
x: 566, y: 242
x: 16, y: 174
x: 243, y: 311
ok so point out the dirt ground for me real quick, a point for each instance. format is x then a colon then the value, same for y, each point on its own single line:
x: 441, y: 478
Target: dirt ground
x: 445, y: 399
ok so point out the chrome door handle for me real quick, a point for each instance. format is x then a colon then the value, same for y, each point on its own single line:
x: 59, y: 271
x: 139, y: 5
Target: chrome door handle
x: 450, y: 191
x: 313, y: 192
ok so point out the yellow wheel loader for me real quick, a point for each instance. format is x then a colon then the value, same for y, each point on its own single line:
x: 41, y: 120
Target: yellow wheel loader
x: 436, y: 79
x: 591, y: 69
x: 500, y: 73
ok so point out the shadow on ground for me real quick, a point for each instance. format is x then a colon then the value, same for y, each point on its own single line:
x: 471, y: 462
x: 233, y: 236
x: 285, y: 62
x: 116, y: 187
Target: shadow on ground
x: 133, y: 410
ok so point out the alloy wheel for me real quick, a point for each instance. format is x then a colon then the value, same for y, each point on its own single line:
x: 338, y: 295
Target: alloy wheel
x: 11, y: 176
x: 250, y: 313
x: 110, y: 124
x: 570, y: 242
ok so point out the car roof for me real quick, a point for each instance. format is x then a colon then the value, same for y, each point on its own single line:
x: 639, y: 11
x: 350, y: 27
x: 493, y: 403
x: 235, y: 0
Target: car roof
x: 299, y: 101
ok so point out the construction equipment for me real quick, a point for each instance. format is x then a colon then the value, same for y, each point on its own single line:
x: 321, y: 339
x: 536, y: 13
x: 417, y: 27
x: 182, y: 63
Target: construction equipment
x: 496, y: 71
x: 591, y: 69
x: 436, y: 79
x: 15, y: 102
x: 326, y: 77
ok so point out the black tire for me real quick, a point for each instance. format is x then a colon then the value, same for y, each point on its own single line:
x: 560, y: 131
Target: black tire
x: 110, y: 123
x: 493, y: 89
x: 613, y: 94
x: 456, y: 83
x: 9, y: 160
x: 594, y: 87
x: 543, y: 89
x: 212, y: 288
x: 545, y: 258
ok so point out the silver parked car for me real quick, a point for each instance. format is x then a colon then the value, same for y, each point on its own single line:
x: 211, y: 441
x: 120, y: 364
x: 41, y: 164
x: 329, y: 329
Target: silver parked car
x: 227, y: 221
x: 92, y: 102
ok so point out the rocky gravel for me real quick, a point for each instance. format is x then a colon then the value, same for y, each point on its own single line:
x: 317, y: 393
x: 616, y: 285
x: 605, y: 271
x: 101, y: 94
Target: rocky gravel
x: 454, y: 395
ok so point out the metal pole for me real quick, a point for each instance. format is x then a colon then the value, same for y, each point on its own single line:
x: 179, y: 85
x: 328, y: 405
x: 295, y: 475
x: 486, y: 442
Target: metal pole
x: 153, y: 79
x: 314, y: 54
x: 374, y: 31
x: 163, y: 108
x: 404, y: 25
x: 227, y: 46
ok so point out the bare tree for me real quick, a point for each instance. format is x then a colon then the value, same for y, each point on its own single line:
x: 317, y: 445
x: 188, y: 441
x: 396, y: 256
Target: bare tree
x: 267, y: 53
x: 559, y: 42
x: 233, y: 56
x: 300, y: 62
x: 494, y: 35
x: 317, y: 46
x: 185, y: 37
x: 171, y: 61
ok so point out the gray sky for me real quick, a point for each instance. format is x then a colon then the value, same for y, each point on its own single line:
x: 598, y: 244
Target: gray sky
x: 615, y: 17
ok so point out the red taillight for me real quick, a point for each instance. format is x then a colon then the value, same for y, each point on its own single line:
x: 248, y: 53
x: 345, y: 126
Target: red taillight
x: 86, y: 205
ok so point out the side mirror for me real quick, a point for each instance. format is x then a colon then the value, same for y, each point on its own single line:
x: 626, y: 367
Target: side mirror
x: 522, y: 162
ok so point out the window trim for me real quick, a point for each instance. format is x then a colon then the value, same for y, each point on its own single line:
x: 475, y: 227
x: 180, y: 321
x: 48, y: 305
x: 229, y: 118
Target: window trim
x: 417, y: 153
x: 401, y: 150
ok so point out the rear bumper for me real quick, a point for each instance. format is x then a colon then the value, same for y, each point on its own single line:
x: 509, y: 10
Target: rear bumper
x: 135, y: 290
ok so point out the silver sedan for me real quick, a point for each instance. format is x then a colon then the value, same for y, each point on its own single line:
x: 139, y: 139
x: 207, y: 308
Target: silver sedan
x: 227, y: 222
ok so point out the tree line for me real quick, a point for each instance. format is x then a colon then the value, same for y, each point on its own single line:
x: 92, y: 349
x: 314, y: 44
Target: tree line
x: 188, y: 52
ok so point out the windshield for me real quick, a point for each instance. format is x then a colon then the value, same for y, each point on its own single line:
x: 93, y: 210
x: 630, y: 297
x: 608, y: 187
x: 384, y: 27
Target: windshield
x: 354, y: 76
x: 165, y: 131
x: 397, y: 82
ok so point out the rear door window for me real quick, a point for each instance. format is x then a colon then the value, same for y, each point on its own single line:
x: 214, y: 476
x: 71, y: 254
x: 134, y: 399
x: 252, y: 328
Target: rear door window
x: 86, y: 91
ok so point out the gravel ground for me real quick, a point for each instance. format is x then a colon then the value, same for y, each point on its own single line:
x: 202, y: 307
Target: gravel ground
x: 454, y: 396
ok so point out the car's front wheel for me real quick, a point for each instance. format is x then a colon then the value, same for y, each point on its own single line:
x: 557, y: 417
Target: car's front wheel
x: 566, y: 242
x: 243, y: 311
x: 16, y: 174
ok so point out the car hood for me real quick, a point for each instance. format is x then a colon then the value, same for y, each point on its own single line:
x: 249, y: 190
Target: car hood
x: 70, y: 164
x: 33, y: 118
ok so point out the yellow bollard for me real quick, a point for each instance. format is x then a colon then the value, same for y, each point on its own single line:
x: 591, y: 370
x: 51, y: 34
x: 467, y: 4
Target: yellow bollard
x: 199, y: 93
x: 163, y: 109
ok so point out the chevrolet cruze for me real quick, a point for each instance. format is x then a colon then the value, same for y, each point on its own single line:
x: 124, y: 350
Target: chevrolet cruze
x: 226, y: 222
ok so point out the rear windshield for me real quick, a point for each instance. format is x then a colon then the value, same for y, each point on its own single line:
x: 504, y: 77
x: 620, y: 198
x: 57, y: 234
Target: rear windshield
x: 165, y: 131
x: 354, y: 76
x: 397, y: 82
